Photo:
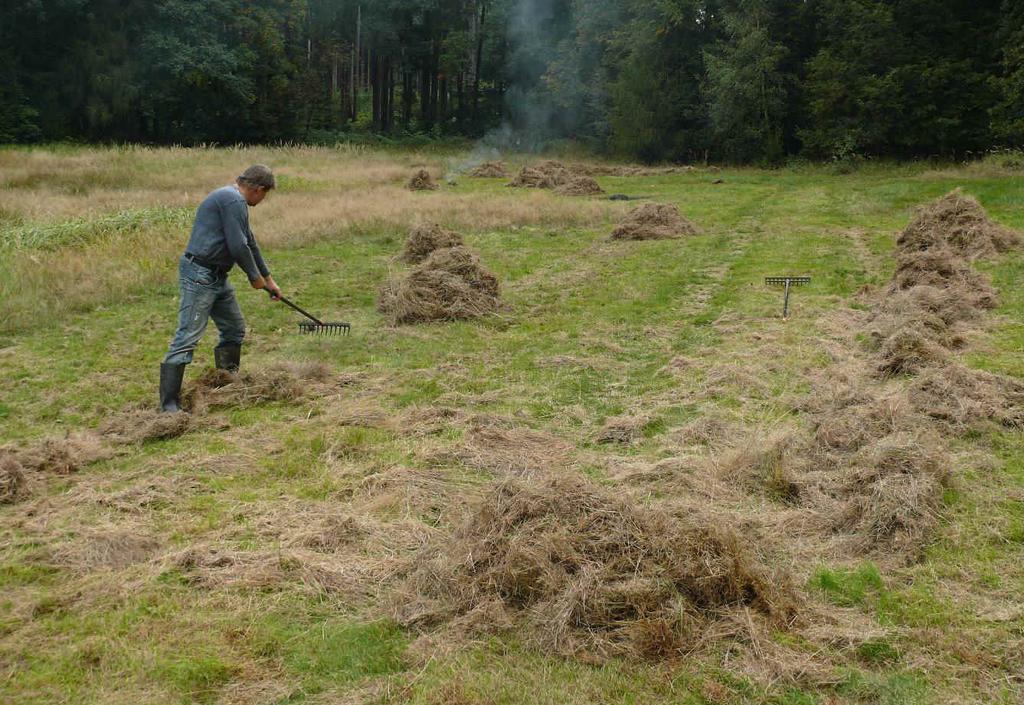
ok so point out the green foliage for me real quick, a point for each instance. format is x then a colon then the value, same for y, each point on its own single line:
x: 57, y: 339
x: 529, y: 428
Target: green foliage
x: 674, y: 80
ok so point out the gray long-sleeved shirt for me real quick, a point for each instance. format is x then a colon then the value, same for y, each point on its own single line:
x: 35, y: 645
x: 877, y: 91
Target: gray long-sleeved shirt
x: 221, y: 234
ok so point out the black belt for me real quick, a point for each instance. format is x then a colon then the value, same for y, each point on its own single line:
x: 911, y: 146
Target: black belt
x: 203, y: 262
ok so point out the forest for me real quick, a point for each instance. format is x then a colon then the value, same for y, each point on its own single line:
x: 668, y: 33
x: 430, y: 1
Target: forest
x: 728, y: 81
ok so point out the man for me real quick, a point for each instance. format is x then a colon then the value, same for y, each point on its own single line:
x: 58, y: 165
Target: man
x: 221, y: 238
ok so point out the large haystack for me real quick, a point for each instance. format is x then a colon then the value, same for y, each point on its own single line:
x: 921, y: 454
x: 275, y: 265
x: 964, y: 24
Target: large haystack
x: 490, y: 170
x: 425, y: 238
x: 449, y: 285
x: 585, y: 570
x: 959, y: 222
x: 422, y: 181
x: 654, y: 221
x: 547, y: 174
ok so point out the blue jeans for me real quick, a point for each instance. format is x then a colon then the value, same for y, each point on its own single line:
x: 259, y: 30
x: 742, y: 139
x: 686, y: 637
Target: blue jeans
x: 205, y: 294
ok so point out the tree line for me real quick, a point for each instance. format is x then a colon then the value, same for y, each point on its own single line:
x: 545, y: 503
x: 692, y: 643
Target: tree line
x: 681, y: 80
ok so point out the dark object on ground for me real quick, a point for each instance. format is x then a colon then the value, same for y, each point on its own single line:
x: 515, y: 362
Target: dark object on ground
x: 718, y: 181
x: 623, y: 197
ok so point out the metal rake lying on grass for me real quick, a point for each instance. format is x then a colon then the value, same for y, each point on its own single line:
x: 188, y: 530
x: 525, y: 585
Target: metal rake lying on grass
x: 314, y: 325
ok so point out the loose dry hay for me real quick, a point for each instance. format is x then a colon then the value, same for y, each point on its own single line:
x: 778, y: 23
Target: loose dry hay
x: 142, y: 425
x: 580, y: 186
x: 654, y: 221
x: 546, y: 174
x: 940, y: 267
x: 894, y: 493
x: 422, y: 181
x: 412, y: 492
x: 12, y: 479
x: 624, y: 430
x: 450, y: 284
x: 764, y: 462
x: 110, y: 548
x: 220, y: 567
x: 490, y: 170
x: 63, y: 456
x: 960, y: 222
x: 961, y: 397
x: 910, y: 350
x: 848, y: 427
x: 513, y: 451
x: 587, y: 572
x: 279, y: 382
x: 950, y: 305
x: 424, y: 239
x: 627, y: 170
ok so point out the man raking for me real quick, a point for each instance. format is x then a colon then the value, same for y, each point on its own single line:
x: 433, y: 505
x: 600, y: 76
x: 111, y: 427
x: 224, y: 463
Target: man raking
x: 221, y: 238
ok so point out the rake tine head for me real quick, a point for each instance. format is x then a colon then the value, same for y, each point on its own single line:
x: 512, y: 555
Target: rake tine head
x: 324, y: 329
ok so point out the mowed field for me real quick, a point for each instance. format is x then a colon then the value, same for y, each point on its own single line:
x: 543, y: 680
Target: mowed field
x: 634, y: 483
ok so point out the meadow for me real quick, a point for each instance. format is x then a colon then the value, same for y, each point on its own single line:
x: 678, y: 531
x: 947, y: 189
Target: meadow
x: 269, y: 554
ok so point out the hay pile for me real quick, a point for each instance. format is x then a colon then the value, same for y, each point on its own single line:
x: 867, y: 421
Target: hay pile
x: 12, y: 479
x: 64, y: 455
x: 424, y: 239
x: 580, y: 186
x: 547, y: 174
x: 278, y: 382
x: 142, y: 425
x: 450, y: 284
x: 422, y: 181
x: 878, y: 462
x: 934, y: 289
x: 490, y: 170
x: 588, y: 572
x: 654, y: 221
x: 959, y: 222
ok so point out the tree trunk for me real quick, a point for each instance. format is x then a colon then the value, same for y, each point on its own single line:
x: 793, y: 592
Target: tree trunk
x: 478, y: 62
x: 354, y: 69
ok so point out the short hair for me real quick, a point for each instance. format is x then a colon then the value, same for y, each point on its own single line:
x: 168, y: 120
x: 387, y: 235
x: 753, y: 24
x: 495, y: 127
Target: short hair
x: 258, y: 176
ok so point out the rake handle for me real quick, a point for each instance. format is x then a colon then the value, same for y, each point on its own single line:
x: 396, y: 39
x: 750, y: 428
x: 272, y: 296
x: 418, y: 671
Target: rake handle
x: 304, y: 313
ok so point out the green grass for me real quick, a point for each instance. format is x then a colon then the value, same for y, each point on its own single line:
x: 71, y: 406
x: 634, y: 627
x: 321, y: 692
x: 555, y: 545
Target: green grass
x: 591, y: 329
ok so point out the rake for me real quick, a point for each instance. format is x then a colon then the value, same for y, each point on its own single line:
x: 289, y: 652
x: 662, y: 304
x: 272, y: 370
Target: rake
x: 314, y: 325
x: 787, y: 282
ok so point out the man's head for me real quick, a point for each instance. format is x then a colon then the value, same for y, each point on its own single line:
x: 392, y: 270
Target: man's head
x: 254, y: 183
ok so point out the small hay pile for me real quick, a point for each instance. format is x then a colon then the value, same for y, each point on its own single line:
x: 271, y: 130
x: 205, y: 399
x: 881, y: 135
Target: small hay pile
x: 490, y: 170
x: 422, y: 181
x: 959, y: 222
x: 450, y: 284
x: 587, y: 572
x: 580, y: 186
x: 63, y: 456
x: 547, y: 174
x: 424, y: 239
x: 624, y: 430
x: 279, y: 382
x: 654, y: 221
x: 499, y: 446
x: 142, y: 425
x: 12, y: 479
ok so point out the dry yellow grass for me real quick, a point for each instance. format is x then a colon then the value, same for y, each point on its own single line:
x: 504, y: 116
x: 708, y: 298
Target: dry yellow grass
x: 323, y: 193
